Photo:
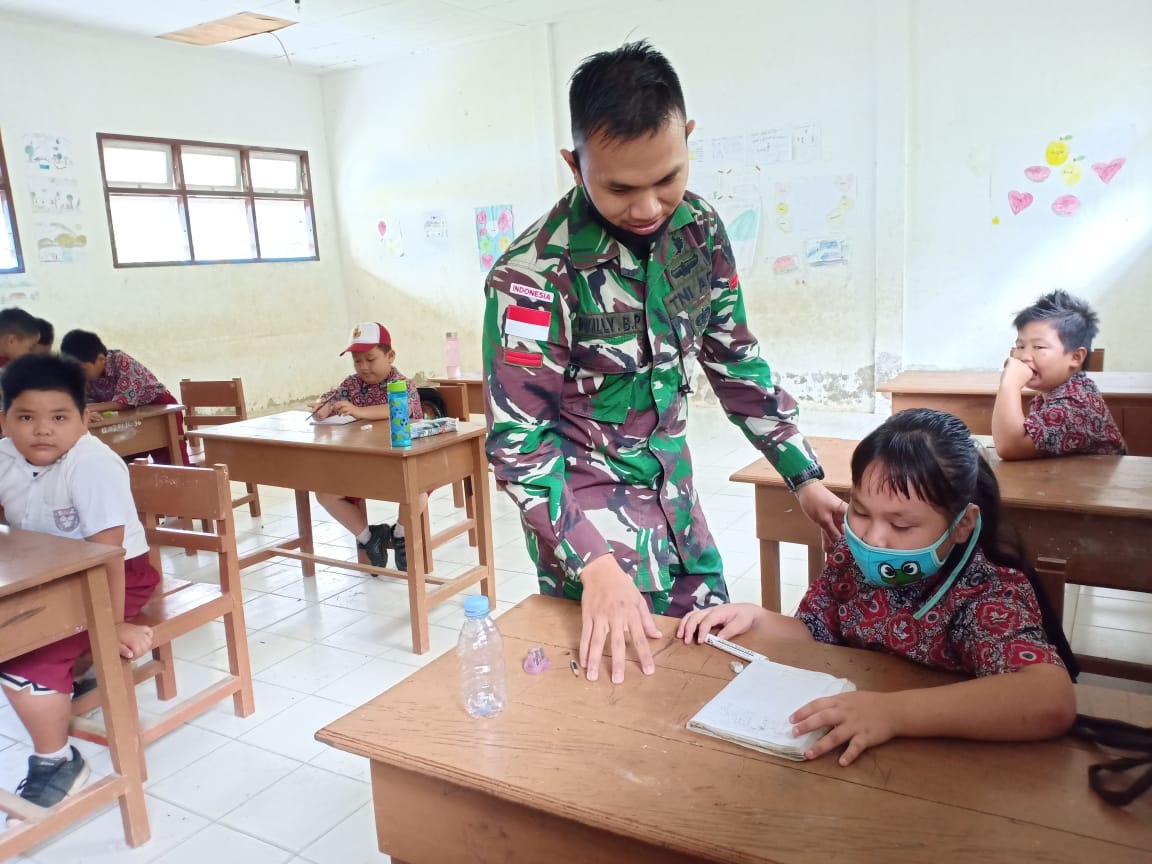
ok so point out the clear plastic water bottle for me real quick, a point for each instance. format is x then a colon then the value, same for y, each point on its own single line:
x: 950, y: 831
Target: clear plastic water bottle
x: 480, y: 650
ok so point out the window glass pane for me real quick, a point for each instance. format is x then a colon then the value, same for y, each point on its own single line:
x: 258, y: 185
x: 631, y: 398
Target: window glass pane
x: 8, y: 260
x: 285, y: 229
x: 147, y: 228
x: 220, y: 229
x: 275, y: 172
x: 211, y: 169
x: 146, y: 165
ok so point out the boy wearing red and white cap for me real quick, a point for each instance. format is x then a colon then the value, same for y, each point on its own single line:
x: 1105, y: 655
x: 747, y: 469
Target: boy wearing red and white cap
x: 364, y: 396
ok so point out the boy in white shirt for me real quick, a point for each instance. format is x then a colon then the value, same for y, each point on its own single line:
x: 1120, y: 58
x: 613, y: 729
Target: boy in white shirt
x: 56, y: 478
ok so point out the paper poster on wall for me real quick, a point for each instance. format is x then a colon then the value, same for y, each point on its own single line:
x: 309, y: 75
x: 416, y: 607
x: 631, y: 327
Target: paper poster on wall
x: 728, y: 150
x: 1045, y: 181
x: 18, y: 293
x: 815, y: 203
x: 806, y: 144
x: 741, y: 217
x: 391, y: 237
x: 494, y: 232
x: 44, y: 152
x: 58, y: 242
x: 825, y: 250
x: 435, y: 227
x: 771, y: 145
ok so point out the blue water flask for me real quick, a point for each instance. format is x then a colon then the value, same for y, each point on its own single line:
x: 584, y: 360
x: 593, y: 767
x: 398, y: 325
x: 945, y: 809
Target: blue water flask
x: 398, y: 419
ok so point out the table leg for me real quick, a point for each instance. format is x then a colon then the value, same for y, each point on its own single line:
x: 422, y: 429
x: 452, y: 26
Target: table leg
x: 481, y: 510
x: 175, y: 445
x: 304, y: 527
x: 121, y: 721
x: 415, y: 541
x: 770, y: 574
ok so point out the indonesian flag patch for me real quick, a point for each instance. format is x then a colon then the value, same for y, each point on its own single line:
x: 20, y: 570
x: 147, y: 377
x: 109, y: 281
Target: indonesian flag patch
x: 527, y: 323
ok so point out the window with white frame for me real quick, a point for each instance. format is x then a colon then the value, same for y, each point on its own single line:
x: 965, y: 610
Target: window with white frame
x: 11, y: 259
x: 190, y: 202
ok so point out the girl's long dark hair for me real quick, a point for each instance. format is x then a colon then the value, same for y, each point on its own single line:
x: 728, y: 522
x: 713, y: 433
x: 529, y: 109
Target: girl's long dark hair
x: 931, y: 455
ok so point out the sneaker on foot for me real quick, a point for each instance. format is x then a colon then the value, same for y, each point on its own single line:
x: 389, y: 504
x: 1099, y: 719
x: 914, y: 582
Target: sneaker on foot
x: 401, y: 551
x: 50, y: 781
x: 377, y: 545
x: 84, y: 685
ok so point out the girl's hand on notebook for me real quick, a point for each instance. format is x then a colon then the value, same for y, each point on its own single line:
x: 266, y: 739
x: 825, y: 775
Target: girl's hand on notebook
x: 732, y: 619
x: 861, y: 719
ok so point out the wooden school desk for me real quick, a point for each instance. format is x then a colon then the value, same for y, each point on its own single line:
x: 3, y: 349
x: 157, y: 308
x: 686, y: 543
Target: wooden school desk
x: 358, y: 460
x: 972, y: 395
x: 471, y: 385
x: 576, y: 771
x: 132, y: 431
x: 52, y: 587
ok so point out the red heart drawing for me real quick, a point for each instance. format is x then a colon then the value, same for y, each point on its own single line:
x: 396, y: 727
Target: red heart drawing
x: 1019, y: 201
x: 1066, y: 205
x: 1107, y: 170
x: 1037, y: 173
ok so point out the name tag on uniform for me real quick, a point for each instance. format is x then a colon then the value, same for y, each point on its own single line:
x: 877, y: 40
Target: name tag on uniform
x: 607, y: 324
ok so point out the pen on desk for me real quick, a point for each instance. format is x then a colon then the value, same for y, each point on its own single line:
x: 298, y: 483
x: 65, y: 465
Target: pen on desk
x: 322, y: 404
x: 575, y: 669
x: 746, y: 654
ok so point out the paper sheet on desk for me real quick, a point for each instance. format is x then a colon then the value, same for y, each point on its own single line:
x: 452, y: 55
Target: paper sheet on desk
x: 753, y: 709
x: 334, y: 420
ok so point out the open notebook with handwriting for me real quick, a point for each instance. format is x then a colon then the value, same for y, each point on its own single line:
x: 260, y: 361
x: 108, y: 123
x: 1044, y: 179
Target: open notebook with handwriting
x: 753, y: 708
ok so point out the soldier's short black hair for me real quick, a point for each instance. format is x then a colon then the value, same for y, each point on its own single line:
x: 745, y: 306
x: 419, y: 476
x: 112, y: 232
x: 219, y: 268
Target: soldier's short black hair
x: 17, y: 322
x: 82, y: 345
x: 47, y: 372
x: 623, y: 94
x: 1074, y: 320
x: 47, y: 332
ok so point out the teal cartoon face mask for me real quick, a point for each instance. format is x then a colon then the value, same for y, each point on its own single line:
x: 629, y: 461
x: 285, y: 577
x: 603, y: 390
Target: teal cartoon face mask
x: 893, y: 568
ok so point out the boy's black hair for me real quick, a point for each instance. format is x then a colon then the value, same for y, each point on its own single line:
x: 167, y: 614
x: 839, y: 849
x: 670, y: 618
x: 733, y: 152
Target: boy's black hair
x: 1075, y: 321
x: 17, y: 322
x: 83, y: 345
x: 623, y: 94
x: 47, y: 332
x: 47, y: 372
x: 931, y: 455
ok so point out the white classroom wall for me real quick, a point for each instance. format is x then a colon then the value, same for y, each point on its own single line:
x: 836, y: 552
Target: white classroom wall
x: 262, y: 322
x: 988, y: 71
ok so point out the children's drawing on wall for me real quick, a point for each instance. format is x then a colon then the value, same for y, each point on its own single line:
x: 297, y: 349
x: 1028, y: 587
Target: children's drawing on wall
x: 815, y: 203
x: 494, y: 232
x: 806, y: 143
x: 782, y: 265
x: 391, y: 237
x: 771, y: 145
x: 57, y: 226
x: 1042, y: 181
x: 741, y: 216
x: 826, y: 250
x: 435, y: 227
x: 44, y: 152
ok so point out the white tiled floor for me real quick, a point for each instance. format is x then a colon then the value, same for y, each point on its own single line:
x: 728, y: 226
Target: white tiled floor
x: 262, y: 790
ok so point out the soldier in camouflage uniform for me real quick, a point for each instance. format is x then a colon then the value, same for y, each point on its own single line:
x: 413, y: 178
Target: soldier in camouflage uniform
x: 597, y: 318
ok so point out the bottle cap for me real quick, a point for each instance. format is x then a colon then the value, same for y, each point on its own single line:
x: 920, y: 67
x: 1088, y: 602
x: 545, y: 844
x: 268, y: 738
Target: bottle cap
x: 476, y: 606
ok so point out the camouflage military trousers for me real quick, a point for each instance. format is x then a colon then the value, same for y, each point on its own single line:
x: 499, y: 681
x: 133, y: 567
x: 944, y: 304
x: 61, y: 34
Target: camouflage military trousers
x: 689, y: 591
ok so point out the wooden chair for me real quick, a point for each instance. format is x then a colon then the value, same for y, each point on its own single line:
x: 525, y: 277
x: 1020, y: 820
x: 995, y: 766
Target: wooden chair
x: 197, y: 396
x: 178, y: 606
x: 1095, y: 361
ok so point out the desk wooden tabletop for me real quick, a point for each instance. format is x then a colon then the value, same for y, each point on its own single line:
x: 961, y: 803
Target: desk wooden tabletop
x: 988, y: 382
x: 620, y: 758
x: 128, y: 415
x: 32, y: 558
x: 462, y: 378
x: 293, y: 429
x: 1111, y: 485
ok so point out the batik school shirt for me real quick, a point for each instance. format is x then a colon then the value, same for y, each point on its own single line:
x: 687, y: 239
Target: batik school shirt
x: 987, y: 623
x: 590, y: 352
x: 1073, y: 418
x: 125, y: 380
x: 353, y: 389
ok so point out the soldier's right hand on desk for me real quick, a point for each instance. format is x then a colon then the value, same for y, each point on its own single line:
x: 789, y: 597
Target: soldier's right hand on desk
x: 612, y: 609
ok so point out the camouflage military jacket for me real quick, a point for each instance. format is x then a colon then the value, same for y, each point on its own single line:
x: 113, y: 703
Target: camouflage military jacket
x: 589, y: 354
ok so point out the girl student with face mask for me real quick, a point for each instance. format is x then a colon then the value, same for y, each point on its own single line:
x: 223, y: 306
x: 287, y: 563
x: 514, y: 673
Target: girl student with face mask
x: 921, y: 572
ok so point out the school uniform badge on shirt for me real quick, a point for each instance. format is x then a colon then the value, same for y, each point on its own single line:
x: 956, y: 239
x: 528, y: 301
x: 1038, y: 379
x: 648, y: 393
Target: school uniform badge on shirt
x: 527, y: 323
x: 67, y: 519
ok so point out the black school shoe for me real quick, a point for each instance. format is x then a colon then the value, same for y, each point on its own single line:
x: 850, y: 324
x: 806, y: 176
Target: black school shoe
x: 401, y: 551
x: 50, y: 781
x: 377, y: 545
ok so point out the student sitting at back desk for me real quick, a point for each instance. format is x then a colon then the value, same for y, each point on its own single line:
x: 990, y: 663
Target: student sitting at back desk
x: 117, y: 380
x: 1068, y: 415
x: 47, y: 337
x: 921, y: 573
x: 19, y: 334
